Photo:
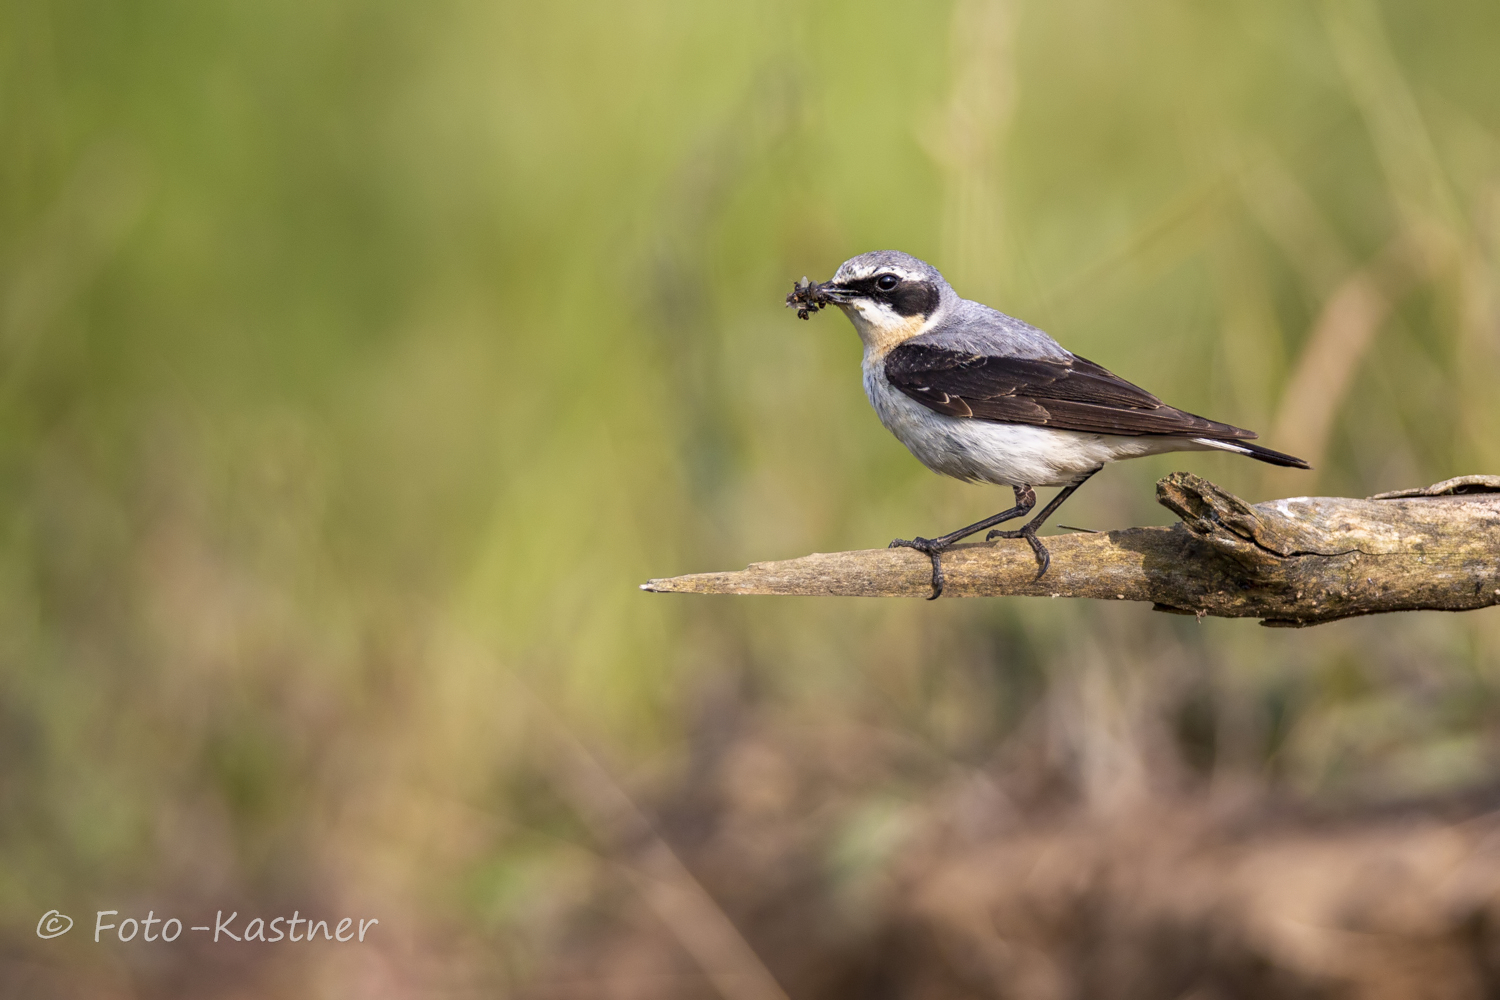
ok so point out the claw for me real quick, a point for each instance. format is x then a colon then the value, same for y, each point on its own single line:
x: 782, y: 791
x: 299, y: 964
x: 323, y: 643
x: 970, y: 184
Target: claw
x: 1043, y: 557
x: 933, y: 552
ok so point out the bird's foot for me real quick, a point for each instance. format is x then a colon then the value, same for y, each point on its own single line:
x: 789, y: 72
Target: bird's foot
x: 1043, y: 557
x: 934, y: 550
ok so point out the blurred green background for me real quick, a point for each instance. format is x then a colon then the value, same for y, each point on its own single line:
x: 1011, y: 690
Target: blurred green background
x: 358, y: 360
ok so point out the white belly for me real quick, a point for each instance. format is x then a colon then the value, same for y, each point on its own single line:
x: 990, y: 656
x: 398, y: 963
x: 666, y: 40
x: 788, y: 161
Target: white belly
x: 1004, y: 454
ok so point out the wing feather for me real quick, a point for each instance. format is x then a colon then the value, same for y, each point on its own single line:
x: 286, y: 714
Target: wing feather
x: 1070, y: 393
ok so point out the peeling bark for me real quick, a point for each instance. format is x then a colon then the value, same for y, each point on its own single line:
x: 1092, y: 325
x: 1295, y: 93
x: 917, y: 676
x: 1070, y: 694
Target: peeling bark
x: 1294, y: 562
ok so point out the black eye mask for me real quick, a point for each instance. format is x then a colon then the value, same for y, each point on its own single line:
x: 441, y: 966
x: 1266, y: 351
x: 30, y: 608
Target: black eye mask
x: 914, y: 298
x: 909, y: 298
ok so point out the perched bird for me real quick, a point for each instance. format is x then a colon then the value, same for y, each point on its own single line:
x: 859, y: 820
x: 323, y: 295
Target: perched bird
x: 983, y: 397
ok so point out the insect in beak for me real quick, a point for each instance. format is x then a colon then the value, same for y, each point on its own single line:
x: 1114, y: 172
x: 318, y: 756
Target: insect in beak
x: 808, y: 297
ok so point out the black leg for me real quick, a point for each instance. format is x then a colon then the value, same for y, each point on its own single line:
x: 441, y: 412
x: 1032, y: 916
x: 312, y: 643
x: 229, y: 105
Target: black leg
x: 1028, y: 530
x: 934, y: 547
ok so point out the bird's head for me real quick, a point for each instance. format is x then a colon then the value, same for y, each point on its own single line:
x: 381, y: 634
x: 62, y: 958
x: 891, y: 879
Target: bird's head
x: 888, y: 295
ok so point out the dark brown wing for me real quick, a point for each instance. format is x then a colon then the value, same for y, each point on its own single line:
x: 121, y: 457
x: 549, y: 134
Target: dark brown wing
x: 1070, y: 394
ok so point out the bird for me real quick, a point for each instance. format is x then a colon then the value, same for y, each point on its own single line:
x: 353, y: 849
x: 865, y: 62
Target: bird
x: 987, y: 398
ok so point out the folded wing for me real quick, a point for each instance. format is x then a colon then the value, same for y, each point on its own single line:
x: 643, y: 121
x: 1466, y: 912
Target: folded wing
x: 1067, y: 393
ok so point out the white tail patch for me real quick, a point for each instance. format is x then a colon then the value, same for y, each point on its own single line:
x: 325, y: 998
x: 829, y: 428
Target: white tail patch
x: 1238, y: 449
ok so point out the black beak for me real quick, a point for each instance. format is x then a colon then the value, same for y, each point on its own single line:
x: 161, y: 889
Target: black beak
x: 809, y: 296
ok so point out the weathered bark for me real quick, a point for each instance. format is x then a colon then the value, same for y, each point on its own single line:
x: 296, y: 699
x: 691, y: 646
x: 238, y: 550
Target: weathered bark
x: 1301, y: 561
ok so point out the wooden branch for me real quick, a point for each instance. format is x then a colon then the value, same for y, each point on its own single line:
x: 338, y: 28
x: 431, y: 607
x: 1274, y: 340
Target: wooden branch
x: 1295, y: 562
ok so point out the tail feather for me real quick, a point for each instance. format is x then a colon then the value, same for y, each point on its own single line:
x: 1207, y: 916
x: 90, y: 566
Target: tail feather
x: 1255, y: 451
